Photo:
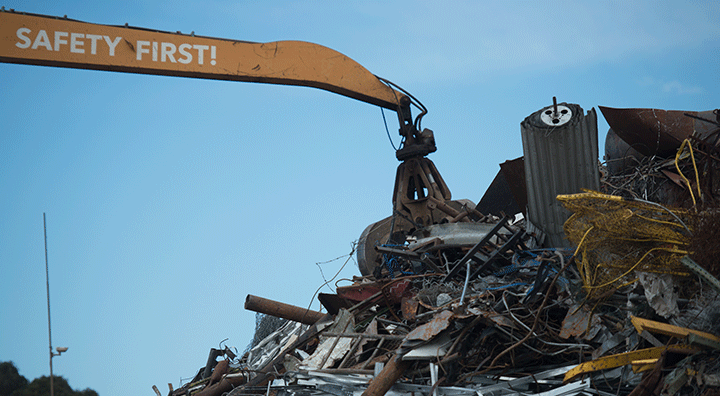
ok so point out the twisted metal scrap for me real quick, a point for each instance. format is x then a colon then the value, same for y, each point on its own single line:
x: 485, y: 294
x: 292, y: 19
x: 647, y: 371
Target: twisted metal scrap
x: 617, y: 236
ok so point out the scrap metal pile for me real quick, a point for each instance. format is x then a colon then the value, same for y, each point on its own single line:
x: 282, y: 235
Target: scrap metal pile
x: 629, y: 306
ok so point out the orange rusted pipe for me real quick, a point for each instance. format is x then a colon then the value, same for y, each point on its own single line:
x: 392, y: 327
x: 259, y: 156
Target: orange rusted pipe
x: 282, y: 310
x: 392, y: 372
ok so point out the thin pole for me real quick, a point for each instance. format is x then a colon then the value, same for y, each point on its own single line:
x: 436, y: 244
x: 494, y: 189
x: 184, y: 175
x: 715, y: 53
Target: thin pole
x: 47, y: 285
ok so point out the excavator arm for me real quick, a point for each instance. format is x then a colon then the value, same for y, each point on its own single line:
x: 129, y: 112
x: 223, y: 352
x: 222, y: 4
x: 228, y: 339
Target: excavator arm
x: 52, y: 41
x: 420, y: 192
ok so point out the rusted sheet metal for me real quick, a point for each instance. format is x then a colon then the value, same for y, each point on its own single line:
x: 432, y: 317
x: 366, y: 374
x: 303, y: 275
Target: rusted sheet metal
x: 409, y: 308
x: 500, y: 320
x: 333, y: 303
x: 507, y: 193
x: 674, y: 177
x: 514, y: 172
x: 364, y: 291
x: 655, y: 131
x: 358, y: 292
x: 576, y: 323
x: 429, y: 330
x: 282, y: 310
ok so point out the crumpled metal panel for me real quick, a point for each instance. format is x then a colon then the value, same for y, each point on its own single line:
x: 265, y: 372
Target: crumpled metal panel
x: 364, y: 291
x: 430, y: 329
x: 521, y: 382
x: 409, y: 307
x: 507, y: 193
x: 452, y: 234
x: 560, y: 158
x: 332, y: 349
x: 430, y: 350
x: 576, y: 322
x: 272, y: 345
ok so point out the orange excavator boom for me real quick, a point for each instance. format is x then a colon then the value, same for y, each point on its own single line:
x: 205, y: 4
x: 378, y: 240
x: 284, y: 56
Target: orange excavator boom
x: 54, y: 41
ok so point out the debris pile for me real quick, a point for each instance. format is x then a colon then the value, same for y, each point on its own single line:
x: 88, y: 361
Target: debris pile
x: 627, y: 306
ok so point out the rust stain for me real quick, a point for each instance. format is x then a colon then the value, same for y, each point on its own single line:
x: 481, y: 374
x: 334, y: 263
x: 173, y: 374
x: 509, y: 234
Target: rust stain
x: 429, y: 330
x: 575, y: 323
x: 409, y: 308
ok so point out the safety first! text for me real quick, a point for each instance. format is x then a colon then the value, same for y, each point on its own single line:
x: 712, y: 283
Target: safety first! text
x: 83, y: 43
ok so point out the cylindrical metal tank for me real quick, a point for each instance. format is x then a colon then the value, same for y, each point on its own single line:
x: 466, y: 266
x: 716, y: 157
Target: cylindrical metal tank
x: 560, y: 145
x: 619, y: 156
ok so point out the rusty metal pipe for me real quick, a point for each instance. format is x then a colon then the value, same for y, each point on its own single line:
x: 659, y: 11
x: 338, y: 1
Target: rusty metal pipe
x: 282, y: 310
x: 226, y: 384
x: 392, y: 372
x: 443, y: 207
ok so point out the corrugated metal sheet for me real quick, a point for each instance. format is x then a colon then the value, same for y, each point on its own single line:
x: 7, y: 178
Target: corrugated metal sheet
x: 561, y: 157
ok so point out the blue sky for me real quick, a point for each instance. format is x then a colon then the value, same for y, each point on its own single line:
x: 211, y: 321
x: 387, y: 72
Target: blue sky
x: 168, y: 200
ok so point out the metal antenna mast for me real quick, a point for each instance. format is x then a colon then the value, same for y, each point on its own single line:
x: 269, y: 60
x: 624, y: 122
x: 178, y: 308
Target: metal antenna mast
x: 47, y: 284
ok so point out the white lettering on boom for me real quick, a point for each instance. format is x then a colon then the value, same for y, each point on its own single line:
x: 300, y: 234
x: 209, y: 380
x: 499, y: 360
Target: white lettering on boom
x: 80, y: 43
x: 60, y: 41
x: 165, y: 52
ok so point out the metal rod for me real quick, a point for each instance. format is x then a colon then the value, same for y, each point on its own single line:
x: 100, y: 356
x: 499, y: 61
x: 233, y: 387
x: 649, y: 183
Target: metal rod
x: 476, y: 248
x: 467, y: 280
x: 373, y: 354
x: 282, y: 310
x: 434, y: 377
x: 366, y: 336
x: 47, y: 286
x: 334, y: 344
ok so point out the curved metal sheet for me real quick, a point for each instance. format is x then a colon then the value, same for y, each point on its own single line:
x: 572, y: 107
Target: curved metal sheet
x: 558, y: 160
x: 655, y: 131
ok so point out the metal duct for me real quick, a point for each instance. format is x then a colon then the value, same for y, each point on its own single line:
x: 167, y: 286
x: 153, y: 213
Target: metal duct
x: 560, y: 145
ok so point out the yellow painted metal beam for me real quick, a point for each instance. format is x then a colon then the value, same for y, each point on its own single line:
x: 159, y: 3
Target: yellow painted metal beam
x: 639, y: 366
x: 622, y: 359
x: 667, y: 329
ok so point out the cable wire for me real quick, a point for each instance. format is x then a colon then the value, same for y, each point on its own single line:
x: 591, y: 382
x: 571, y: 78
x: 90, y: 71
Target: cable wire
x: 387, y: 130
x: 413, y: 100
